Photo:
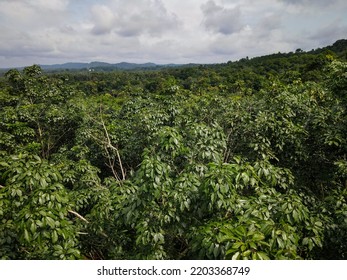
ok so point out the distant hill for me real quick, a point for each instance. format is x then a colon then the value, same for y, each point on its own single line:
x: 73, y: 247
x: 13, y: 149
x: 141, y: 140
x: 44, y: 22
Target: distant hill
x: 103, y: 66
x: 339, y: 49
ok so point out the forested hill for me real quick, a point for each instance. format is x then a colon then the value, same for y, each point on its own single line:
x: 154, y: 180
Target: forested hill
x: 293, y: 62
x: 103, y: 66
x: 241, y: 160
x: 337, y: 50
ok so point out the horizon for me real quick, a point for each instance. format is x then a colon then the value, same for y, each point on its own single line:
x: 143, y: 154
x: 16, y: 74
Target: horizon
x: 163, y: 32
x: 166, y: 64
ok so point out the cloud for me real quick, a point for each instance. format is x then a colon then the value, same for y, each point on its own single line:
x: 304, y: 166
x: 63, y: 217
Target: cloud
x: 53, y: 5
x: 29, y: 15
x: 221, y: 20
x: 34, y: 32
x: 270, y: 22
x: 103, y: 19
x: 163, y: 31
x: 244, y: 28
x: 133, y: 18
x: 311, y: 3
x: 328, y: 33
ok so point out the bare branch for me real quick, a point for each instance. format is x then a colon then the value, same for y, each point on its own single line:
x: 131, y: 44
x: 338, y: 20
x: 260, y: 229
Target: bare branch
x: 109, y: 145
x: 78, y: 216
x: 111, y: 151
x: 98, y: 140
x: 111, y: 164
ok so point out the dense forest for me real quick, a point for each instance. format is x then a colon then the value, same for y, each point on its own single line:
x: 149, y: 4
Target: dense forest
x: 241, y: 160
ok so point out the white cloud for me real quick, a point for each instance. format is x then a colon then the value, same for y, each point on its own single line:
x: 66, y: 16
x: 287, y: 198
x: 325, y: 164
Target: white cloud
x: 53, y: 5
x: 310, y: 2
x: 163, y: 31
x: 133, y: 18
x: 103, y: 19
x: 220, y: 19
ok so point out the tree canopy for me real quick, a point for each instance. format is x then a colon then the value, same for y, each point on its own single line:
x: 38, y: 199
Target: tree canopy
x: 242, y: 160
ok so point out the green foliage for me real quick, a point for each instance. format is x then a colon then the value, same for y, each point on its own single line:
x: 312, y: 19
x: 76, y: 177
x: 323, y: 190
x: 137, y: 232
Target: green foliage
x: 37, y: 116
x: 244, y: 160
x: 35, y: 217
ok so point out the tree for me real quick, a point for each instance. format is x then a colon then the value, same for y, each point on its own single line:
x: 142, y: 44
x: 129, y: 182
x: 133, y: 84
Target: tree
x: 243, y: 160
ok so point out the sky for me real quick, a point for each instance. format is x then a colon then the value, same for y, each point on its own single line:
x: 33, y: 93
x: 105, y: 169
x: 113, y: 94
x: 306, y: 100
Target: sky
x: 163, y: 31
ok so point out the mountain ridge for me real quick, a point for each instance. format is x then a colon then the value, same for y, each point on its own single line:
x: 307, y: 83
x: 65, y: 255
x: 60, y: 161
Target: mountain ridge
x: 99, y: 65
x: 338, y: 47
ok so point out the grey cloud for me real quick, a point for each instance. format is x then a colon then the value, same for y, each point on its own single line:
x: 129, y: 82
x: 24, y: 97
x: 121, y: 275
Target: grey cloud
x: 266, y: 25
x: 22, y: 45
x: 41, y: 4
x: 270, y: 22
x: 327, y: 34
x: 30, y: 15
x: 53, y: 5
x: 221, y: 20
x: 103, y: 19
x: 42, y: 31
x: 68, y: 29
x: 133, y: 18
x: 310, y: 2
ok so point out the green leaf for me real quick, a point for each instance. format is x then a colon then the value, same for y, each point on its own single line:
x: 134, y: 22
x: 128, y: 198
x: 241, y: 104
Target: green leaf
x: 43, y: 213
x: 319, y: 224
x: 54, y: 236
x: 310, y: 244
x: 245, y: 178
x: 236, y: 256
x: 262, y: 256
x: 237, y: 245
x: 240, y: 231
x: 50, y: 222
x: 43, y: 182
x: 26, y: 235
x: 246, y: 253
x: 253, y: 245
x: 280, y: 242
x: 258, y: 237
x: 216, y: 250
x: 33, y: 227
x: 296, y: 215
x: 19, y: 192
x: 210, y: 250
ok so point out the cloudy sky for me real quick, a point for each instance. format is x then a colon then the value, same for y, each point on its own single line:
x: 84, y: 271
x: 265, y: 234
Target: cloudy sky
x: 163, y: 31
